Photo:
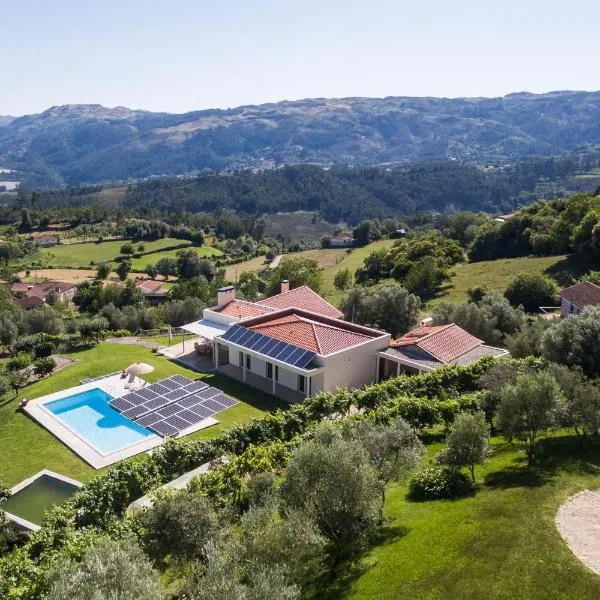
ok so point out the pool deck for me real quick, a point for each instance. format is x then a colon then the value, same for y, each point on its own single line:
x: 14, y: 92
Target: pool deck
x: 114, y: 386
x: 24, y: 523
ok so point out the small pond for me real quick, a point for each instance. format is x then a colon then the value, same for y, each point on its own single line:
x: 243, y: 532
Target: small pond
x: 34, y: 499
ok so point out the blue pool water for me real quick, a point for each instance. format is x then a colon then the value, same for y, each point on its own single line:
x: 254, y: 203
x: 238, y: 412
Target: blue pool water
x: 90, y: 416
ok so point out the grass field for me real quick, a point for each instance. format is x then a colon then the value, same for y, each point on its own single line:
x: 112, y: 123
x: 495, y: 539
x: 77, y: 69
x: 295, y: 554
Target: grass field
x: 352, y: 260
x: 500, y: 544
x: 26, y: 447
x: 139, y: 264
x: 254, y: 265
x: 496, y: 274
x: 82, y: 255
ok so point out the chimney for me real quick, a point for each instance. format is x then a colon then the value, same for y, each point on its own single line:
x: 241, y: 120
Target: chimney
x: 225, y: 295
x: 285, y: 285
x: 427, y: 322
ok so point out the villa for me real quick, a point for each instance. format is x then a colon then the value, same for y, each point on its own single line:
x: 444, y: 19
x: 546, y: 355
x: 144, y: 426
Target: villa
x: 29, y: 295
x: 431, y: 347
x: 294, y: 353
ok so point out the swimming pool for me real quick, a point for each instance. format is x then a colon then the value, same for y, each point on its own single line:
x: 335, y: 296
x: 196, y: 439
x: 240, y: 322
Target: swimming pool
x: 89, y: 415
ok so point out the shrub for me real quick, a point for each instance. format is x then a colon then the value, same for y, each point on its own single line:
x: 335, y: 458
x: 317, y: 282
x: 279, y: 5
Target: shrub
x: 44, y: 366
x: 19, y: 362
x: 437, y: 483
x: 43, y: 349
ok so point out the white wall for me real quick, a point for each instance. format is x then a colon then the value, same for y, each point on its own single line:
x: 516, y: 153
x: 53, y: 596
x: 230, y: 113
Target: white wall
x: 355, y: 367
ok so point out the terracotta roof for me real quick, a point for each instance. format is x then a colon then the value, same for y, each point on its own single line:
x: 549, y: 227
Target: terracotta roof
x: 18, y: 287
x: 310, y: 334
x: 582, y: 294
x: 443, y: 342
x: 243, y: 309
x: 304, y: 298
x: 149, y: 286
x: 28, y: 302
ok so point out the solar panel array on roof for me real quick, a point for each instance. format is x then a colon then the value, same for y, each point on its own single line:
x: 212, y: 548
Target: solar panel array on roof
x: 287, y: 353
x: 172, y: 405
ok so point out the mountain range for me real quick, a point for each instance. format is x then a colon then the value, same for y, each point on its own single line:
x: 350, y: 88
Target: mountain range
x: 77, y: 144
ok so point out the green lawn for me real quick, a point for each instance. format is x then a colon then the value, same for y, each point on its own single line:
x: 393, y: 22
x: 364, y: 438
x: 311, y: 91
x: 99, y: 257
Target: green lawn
x: 81, y: 255
x: 139, y: 263
x: 353, y: 260
x: 496, y: 274
x: 26, y: 447
x: 499, y: 544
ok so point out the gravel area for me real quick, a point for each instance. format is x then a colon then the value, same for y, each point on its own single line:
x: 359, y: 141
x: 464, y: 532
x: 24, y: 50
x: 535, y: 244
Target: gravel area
x: 578, y: 521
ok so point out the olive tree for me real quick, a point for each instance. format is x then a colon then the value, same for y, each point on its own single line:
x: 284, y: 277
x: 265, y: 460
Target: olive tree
x: 393, y: 449
x: 528, y: 408
x: 182, y: 525
x: 335, y: 481
x: 110, y: 570
x: 467, y: 442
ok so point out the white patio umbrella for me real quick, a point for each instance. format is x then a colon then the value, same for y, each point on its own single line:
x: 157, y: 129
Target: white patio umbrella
x: 139, y: 369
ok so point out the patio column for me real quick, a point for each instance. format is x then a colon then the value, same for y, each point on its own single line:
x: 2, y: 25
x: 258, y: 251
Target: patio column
x: 377, y: 359
x: 216, y: 348
x: 398, y: 369
x: 244, y: 369
x: 274, y: 382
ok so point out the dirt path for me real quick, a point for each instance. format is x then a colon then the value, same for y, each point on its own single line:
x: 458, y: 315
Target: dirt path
x: 578, y: 521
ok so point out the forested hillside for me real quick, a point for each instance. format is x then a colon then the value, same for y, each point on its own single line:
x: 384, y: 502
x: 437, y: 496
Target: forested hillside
x: 354, y: 194
x: 89, y: 143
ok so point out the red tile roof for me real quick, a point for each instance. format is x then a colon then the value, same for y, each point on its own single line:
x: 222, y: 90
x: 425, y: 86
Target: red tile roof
x: 582, y: 294
x: 243, y: 309
x: 28, y: 302
x: 444, y: 342
x: 310, y: 334
x: 304, y: 298
x: 149, y: 286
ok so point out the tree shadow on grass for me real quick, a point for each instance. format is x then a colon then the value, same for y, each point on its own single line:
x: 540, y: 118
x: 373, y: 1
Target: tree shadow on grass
x: 554, y: 455
x: 570, y: 268
x: 338, y: 578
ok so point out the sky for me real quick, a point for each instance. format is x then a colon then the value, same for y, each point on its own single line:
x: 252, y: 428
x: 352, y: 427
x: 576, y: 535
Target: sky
x: 181, y: 55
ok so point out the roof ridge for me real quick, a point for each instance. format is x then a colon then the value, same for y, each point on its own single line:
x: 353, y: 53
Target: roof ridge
x: 427, y: 336
x: 318, y: 342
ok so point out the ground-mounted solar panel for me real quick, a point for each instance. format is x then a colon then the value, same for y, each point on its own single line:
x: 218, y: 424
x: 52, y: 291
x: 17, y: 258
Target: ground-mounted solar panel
x: 170, y: 385
x: 214, y: 406
x: 120, y: 404
x: 207, y: 393
x: 189, y: 401
x: 134, y: 412
x: 168, y: 410
x: 149, y: 420
x: 195, y: 386
x: 176, y: 394
x: 155, y: 403
x: 219, y: 399
x: 159, y: 388
x: 227, y: 401
x: 164, y: 429
x: 188, y: 415
x: 177, y: 422
x: 202, y: 411
x: 147, y: 393
x: 181, y: 380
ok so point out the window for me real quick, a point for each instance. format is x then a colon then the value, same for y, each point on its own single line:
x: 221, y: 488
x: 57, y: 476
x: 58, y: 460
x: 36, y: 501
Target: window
x: 247, y: 362
x: 241, y: 360
x: 269, y: 370
x: 301, y: 383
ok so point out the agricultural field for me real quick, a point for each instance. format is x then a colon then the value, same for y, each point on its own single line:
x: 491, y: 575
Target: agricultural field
x: 31, y: 447
x: 82, y: 255
x: 139, y: 263
x: 254, y: 265
x: 300, y: 225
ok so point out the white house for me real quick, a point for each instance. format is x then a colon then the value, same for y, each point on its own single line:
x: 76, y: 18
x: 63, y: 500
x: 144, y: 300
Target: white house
x: 294, y: 353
